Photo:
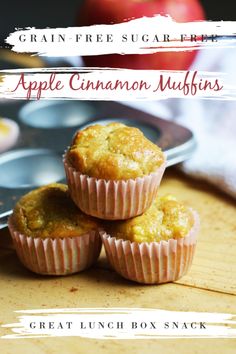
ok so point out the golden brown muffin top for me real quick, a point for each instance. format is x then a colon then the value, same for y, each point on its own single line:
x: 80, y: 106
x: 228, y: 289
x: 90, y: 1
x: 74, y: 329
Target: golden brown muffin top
x: 49, y: 212
x: 114, y: 151
x: 165, y: 219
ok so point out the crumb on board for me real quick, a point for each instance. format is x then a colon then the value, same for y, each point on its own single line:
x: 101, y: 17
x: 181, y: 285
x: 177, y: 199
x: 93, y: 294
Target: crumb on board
x: 73, y: 289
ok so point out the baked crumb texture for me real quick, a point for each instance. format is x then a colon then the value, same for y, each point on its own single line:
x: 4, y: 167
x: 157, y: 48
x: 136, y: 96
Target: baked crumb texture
x: 49, y: 212
x: 165, y: 219
x: 114, y: 152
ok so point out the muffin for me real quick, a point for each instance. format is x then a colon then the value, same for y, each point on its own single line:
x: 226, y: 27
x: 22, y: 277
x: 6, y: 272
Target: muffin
x: 50, y: 234
x: 156, y: 247
x: 113, y: 171
x: 9, y: 133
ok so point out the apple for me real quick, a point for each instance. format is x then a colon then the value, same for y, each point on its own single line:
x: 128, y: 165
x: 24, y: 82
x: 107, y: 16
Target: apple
x: 116, y: 11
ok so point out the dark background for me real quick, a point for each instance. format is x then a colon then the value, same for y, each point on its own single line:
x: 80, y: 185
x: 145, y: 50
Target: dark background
x: 57, y: 13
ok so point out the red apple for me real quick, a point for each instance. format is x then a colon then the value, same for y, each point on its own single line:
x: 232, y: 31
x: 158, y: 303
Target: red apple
x: 116, y: 11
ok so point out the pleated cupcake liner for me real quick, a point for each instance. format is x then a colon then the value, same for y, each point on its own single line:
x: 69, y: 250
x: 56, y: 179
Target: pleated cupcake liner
x: 57, y: 256
x: 112, y: 200
x: 155, y: 262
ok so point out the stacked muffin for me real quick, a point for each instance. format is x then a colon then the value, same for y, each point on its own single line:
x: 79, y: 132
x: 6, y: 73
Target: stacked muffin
x: 113, y: 174
x: 51, y: 235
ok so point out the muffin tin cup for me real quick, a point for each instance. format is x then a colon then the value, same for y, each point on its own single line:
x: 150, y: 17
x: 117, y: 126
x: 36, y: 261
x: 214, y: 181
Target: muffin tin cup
x: 56, y: 256
x: 155, y: 262
x: 112, y: 200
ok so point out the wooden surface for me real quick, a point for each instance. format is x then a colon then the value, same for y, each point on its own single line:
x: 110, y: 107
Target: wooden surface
x: 210, y: 285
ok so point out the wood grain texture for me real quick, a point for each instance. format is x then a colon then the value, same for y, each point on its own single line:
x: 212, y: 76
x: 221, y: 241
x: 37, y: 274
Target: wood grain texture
x: 100, y: 287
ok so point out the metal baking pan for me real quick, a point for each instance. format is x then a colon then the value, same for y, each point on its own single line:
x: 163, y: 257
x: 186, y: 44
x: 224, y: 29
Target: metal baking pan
x: 46, y: 129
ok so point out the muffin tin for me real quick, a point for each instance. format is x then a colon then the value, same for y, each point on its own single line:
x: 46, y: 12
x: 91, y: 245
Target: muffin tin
x: 46, y: 129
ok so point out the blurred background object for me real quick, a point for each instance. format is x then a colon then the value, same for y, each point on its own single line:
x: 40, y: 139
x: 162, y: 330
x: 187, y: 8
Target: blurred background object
x: 10, y: 60
x: 111, y: 11
x: 9, y: 133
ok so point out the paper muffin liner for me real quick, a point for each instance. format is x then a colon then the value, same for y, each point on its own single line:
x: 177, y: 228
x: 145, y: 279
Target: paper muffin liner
x: 155, y: 262
x: 112, y: 200
x: 58, y: 256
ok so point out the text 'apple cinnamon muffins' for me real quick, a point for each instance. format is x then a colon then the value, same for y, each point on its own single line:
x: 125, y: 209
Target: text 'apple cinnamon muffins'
x: 51, y: 235
x: 156, y: 247
x: 113, y: 171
